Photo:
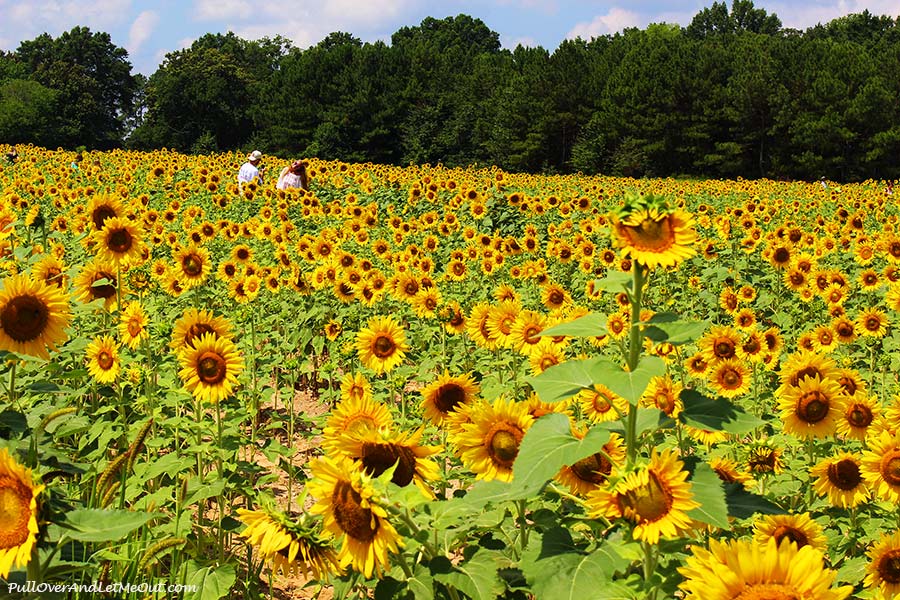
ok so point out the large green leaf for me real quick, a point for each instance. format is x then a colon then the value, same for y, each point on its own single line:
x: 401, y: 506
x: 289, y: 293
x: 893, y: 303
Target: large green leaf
x: 477, y: 577
x: 556, y: 568
x: 712, y: 414
x: 96, y: 525
x: 210, y: 583
x: 743, y: 504
x: 708, y: 491
x: 589, y: 325
x: 668, y: 327
x: 631, y: 385
x: 615, y: 281
x: 562, y: 381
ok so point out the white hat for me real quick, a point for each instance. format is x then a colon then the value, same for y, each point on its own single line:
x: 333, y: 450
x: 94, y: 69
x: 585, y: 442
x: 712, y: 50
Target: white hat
x: 255, y: 155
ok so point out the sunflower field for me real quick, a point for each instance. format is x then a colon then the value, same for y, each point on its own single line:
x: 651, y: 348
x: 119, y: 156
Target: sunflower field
x: 421, y: 382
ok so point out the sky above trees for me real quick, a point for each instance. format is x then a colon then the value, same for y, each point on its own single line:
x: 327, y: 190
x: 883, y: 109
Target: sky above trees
x: 149, y: 30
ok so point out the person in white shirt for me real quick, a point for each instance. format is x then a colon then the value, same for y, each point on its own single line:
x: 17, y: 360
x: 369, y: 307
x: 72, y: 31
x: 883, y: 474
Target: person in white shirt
x: 293, y: 176
x: 250, y: 170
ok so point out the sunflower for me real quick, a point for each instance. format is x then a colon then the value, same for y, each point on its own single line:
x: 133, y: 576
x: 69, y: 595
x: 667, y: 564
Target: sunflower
x: 707, y: 437
x: 51, y: 270
x: 728, y: 471
x: 452, y: 316
x: 119, y: 242
x: 501, y: 320
x: 729, y: 378
x: 355, y: 388
x: 555, y: 296
x: 333, y: 330
x: 805, y: 364
x: 103, y: 207
x: 346, y: 500
x: 382, y: 344
x: 544, y: 355
x: 193, y: 265
x: 663, y: 393
x: 209, y: 368
x: 840, y: 478
x: 356, y: 413
x: 489, y: 443
x: 447, y: 394
x: 859, y: 413
x: 293, y: 546
x: 601, y: 404
x: 880, y: 466
x: 746, y: 569
x: 33, y: 316
x: 103, y: 359
x: 195, y: 323
x: 526, y: 329
x: 872, y: 322
x: 764, y: 458
x: 18, y: 506
x: 720, y: 343
x: 377, y: 450
x: 655, y: 499
x: 589, y: 473
x: 97, y: 280
x: 133, y: 324
x: 650, y: 233
x: 883, y: 572
x: 811, y: 408
x: 799, y: 529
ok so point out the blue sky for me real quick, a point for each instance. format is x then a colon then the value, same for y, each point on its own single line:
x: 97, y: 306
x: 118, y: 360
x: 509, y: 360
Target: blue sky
x: 148, y: 30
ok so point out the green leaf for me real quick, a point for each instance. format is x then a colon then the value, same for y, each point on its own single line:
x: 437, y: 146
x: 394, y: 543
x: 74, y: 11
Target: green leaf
x: 711, y: 414
x: 676, y: 332
x: 589, y: 325
x: 615, y: 281
x: 95, y: 525
x: 211, y: 583
x: 631, y: 385
x: 477, y: 577
x: 13, y: 420
x: 556, y: 568
x: 743, y: 504
x: 708, y: 491
x: 562, y: 381
x: 647, y: 419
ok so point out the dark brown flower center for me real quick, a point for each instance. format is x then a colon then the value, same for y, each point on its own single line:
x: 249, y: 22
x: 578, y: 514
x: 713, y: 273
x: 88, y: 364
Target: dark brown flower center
x: 731, y: 379
x: 351, y: 517
x: 192, y: 265
x: 804, y: 373
x: 792, y: 533
x: 100, y: 215
x: 889, y: 566
x: 448, y: 397
x: 504, y: 445
x: 859, y: 415
x: 724, y: 349
x: 105, y: 360
x: 378, y: 458
x: 593, y: 469
x: 24, y: 318
x: 656, y: 236
x: 107, y: 290
x: 812, y: 407
x: 197, y: 330
x: 383, y: 347
x: 890, y: 467
x: 120, y: 241
x: 211, y: 368
x: 844, y: 475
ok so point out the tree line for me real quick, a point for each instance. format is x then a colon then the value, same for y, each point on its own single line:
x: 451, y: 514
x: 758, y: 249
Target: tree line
x: 732, y: 94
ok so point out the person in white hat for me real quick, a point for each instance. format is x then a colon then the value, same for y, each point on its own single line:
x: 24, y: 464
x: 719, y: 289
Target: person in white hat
x: 250, y: 170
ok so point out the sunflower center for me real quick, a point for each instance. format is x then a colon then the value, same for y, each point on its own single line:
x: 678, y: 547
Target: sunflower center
x: 647, y: 503
x: 804, y: 373
x: 211, y: 368
x: 653, y: 235
x: 101, y: 214
x: 731, y: 378
x: 15, y: 511
x: 504, y: 446
x: 812, y: 407
x: 351, y: 517
x: 24, y: 318
x: 448, y: 397
x: 795, y: 535
x: 120, y: 241
x: 105, y: 360
x: 593, y: 469
x: 888, y: 567
x: 134, y: 328
x: 844, y: 475
x: 192, y: 265
x: 848, y: 384
x: 859, y: 415
x: 768, y: 591
x: 107, y: 290
x: 890, y: 468
x: 383, y: 347
x: 724, y: 349
x: 556, y: 298
x: 601, y: 403
x: 530, y: 334
x: 378, y: 458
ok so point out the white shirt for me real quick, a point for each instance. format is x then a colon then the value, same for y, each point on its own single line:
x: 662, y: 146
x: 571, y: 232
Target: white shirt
x: 289, y: 180
x: 247, y: 173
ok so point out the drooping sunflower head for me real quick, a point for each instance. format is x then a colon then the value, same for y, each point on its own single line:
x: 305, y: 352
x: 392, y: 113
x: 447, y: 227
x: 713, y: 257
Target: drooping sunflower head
x: 376, y: 451
x: 447, y: 394
x: 293, y: 545
x: 210, y: 368
x: 664, y: 393
x: 382, y: 344
x: 133, y: 324
x: 355, y: 388
x: 19, y: 509
x: 651, y: 233
x: 33, y: 316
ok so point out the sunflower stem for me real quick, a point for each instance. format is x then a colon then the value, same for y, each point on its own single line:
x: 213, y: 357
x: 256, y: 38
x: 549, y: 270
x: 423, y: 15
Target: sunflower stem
x: 650, y: 559
x: 12, y: 383
x: 634, y: 356
x: 523, y: 524
x: 220, y: 532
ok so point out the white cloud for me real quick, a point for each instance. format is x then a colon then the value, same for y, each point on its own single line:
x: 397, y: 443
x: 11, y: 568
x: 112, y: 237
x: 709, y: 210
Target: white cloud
x: 27, y: 20
x: 223, y: 10
x: 140, y: 30
x: 511, y: 43
x: 801, y: 16
x: 615, y: 20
